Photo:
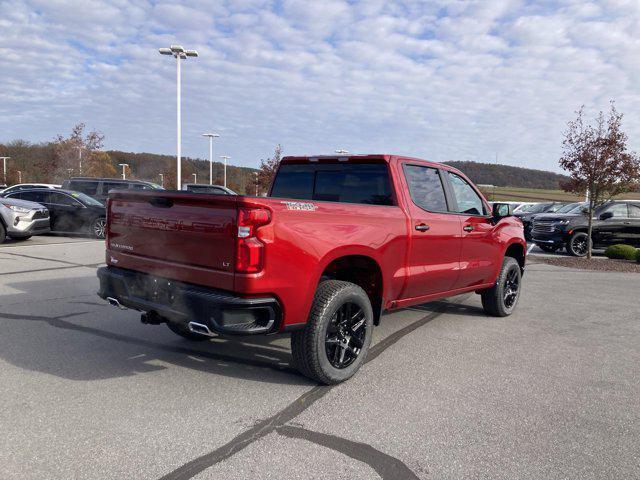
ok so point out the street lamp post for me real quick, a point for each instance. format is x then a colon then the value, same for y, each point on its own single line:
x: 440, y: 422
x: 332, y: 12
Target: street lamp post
x: 124, y: 166
x: 19, y: 176
x: 195, y: 178
x: 80, y: 160
x: 256, y: 174
x: 211, y: 137
x: 4, y: 168
x: 161, y: 180
x: 225, y: 158
x: 180, y: 54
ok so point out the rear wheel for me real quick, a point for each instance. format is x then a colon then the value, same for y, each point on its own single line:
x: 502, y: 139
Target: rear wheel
x: 184, y: 332
x: 335, y: 341
x: 578, y: 244
x: 99, y: 227
x: 501, y: 299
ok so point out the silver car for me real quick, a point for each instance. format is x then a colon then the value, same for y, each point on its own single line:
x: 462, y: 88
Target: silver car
x: 20, y: 219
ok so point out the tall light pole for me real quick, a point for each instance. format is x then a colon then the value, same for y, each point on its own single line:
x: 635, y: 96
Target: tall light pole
x: 256, y: 174
x: 161, y: 180
x: 225, y: 158
x: 19, y: 176
x: 124, y: 166
x: 195, y: 178
x: 80, y: 160
x: 180, y: 54
x: 211, y: 137
x: 4, y: 168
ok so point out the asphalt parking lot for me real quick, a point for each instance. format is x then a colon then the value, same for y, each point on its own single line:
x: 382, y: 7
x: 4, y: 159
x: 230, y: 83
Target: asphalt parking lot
x: 88, y: 392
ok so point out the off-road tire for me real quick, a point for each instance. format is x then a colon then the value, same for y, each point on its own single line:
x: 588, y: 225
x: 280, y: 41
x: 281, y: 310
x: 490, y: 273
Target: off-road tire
x: 308, y: 345
x: 493, y: 299
x: 186, y: 333
x: 573, y: 242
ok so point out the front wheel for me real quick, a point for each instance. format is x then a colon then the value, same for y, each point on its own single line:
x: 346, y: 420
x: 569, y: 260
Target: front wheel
x: 501, y: 299
x: 578, y: 244
x: 99, y: 228
x: 336, y: 339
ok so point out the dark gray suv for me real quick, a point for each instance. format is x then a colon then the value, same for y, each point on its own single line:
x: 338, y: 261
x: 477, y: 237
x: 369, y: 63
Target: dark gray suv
x: 99, y: 188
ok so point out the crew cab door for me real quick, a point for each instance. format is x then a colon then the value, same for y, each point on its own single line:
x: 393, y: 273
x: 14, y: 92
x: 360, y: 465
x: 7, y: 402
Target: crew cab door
x: 611, y: 225
x: 434, y: 234
x: 632, y: 230
x: 480, y: 250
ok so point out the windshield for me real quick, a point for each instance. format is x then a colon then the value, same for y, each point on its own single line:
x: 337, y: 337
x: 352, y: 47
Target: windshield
x: 86, y: 199
x: 537, y: 208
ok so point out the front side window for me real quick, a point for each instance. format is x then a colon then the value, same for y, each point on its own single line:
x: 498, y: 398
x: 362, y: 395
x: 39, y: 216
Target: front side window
x: 366, y: 183
x: 425, y: 188
x: 634, y: 211
x: 468, y: 200
x: 619, y: 210
x: 61, y: 199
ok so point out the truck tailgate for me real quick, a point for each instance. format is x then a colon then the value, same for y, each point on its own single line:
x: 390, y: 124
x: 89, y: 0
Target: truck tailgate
x: 181, y: 236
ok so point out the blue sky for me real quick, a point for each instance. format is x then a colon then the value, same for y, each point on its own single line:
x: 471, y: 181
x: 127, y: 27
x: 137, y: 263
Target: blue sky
x: 440, y: 80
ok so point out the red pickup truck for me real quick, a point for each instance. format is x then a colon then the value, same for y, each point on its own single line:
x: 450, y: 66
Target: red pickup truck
x: 339, y: 240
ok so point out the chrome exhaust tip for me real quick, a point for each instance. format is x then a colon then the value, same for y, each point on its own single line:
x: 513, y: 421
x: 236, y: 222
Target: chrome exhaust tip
x: 115, y: 303
x: 200, y: 329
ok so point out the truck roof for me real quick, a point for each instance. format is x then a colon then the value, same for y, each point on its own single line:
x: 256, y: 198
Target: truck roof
x: 375, y: 157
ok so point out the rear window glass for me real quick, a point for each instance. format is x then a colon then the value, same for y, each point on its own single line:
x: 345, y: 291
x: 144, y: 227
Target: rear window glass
x: 348, y: 183
x: 425, y: 188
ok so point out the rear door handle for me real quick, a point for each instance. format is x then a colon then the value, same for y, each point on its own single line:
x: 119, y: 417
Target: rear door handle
x: 626, y: 223
x: 423, y: 227
x: 468, y: 228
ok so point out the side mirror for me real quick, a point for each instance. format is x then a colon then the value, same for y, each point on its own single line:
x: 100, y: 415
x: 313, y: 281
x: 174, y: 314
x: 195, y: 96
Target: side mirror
x: 606, y: 215
x: 501, y: 210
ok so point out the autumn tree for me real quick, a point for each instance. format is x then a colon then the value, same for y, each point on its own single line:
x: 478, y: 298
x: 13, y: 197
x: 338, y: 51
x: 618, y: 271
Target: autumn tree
x: 268, y: 169
x: 596, y: 158
x: 99, y: 164
x: 73, y: 152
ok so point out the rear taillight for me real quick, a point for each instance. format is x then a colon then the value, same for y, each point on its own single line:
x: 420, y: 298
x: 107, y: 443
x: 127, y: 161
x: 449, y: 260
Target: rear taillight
x: 250, y: 250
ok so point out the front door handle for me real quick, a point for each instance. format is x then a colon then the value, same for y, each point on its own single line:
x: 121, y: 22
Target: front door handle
x: 423, y: 227
x: 626, y: 223
x: 468, y: 228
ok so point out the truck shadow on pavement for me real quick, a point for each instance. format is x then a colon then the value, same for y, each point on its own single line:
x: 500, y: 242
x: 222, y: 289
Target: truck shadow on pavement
x: 96, y: 342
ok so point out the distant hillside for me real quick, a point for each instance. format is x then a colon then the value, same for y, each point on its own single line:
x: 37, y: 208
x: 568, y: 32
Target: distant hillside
x: 508, y: 176
x: 148, y: 166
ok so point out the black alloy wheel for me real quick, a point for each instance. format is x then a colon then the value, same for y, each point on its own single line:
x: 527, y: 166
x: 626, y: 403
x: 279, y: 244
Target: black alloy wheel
x: 578, y: 244
x: 345, y: 335
x: 511, y: 288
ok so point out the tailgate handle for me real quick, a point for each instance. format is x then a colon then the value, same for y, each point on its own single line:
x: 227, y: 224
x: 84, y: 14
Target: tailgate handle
x: 161, y: 202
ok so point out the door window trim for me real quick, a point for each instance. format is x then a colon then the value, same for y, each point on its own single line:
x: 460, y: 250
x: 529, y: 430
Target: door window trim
x: 447, y: 200
x: 454, y: 201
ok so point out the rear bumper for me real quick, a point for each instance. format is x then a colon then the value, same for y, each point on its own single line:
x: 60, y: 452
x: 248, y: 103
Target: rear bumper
x: 181, y: 303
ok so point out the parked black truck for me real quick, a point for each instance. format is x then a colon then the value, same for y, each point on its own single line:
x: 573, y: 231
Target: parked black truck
x: 613, y: 222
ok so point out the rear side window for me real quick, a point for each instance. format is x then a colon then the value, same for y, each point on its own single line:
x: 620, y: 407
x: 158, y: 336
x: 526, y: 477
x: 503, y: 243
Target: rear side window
x: 634, y: 210
x: 348, y: 183
x: 38, y: 197
x: 90, y: 188
x: 468, y: 200
x: 425, y: 188
x: 108, y: 186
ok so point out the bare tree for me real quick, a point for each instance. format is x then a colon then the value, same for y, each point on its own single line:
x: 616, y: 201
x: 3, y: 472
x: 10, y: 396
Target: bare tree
x: 74, y: 151
x: 596, y: 159
x: 268, y: 168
